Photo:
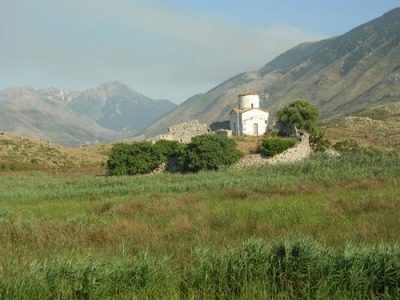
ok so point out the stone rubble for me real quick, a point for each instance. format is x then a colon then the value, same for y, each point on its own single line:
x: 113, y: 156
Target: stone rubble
x: 299, y: 152
x: 184, y: 132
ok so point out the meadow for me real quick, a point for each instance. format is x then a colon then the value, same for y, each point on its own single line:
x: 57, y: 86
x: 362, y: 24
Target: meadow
x: 323, y: 228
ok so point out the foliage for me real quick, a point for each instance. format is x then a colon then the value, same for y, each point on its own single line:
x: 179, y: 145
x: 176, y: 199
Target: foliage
x: 318, y: 141
x: 132, y: 159
x: 169, y: 148
x: 301, y: 113
x: 347, y: 146
x: 288, y: 269
x: 171, y: 151
x: 64, y: 236
x: 209, y: 152
x: 296, y: 269
x: 273, y: 146
x: 376, y: 114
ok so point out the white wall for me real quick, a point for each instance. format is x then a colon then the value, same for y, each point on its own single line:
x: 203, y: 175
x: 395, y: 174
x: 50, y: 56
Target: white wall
x: 249, y: 101
x: 251, y: 117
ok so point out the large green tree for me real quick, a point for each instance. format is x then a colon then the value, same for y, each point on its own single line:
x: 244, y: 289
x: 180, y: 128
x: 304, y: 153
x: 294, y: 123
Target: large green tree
x: 301, y: 113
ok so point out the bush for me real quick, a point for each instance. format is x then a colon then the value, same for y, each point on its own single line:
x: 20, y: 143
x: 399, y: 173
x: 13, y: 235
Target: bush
x: 209, y: 152
x: 132, y: 159
x: 271, y: 147
x: 301, y: 113
x: 171, y: 151
x: 318, y: 141
x: 347, y: 146
x: 169, y: 148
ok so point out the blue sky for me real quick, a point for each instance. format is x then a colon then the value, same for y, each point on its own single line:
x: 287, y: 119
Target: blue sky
x: 164, y: 49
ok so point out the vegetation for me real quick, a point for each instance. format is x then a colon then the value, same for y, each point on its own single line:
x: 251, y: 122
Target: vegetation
x: 206, y: 152
x: 256, y: 269
x: 209, y: 152
x: 376, y: 114
x: 169, y: 148
x: 375, y: 128
x: 133, y: 159
x: 274, y: 146
x: 347, y: 146
x: 205, y: 235
x: 301, y: 113
x: 21, y: 153
x: 318, y: 142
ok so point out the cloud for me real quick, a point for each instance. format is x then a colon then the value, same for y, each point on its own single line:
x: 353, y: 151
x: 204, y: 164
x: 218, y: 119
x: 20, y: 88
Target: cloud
x: 161, y: 50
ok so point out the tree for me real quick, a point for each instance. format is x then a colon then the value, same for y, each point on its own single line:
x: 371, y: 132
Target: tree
x: 209, y: 152
x: 301, y: 113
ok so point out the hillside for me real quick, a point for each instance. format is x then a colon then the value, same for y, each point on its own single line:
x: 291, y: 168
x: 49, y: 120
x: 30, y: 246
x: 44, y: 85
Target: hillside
x: 108, y: 112
x: 378, y: 127
x: 342, y: 75
x: 24, y: 153
x: 115, y: 106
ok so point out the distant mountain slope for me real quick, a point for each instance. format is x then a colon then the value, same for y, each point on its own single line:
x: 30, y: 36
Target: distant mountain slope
x: 117, y: 107
x: 348, y: 73
x: 109, y: 112
x: 26, y: 111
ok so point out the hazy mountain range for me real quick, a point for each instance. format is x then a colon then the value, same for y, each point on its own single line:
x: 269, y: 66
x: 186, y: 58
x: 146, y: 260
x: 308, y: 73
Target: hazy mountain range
x: 108, y: 112
x: 342, y: 75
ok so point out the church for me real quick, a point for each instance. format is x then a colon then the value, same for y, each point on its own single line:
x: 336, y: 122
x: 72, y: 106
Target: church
x: 248, y: 118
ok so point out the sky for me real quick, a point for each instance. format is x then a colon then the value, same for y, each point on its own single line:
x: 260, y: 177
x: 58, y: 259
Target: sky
x: 169, y: 49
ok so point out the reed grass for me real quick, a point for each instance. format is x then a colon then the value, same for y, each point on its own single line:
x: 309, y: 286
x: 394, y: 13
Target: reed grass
x: 323, y: 228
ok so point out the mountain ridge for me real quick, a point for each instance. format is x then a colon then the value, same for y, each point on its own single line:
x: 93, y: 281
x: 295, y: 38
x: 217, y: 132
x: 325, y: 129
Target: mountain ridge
x: 109, y: 112
x: 342, y: 74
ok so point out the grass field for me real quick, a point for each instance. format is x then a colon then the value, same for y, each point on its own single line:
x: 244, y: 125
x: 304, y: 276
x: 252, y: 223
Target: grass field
x: 323, y: 228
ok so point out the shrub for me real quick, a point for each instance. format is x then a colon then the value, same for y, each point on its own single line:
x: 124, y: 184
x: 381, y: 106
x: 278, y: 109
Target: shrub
x: 318, y: 141
x: 347, y: 146
x: 209, y: 152
x: 271, y: 147
x: 301, y: 113
x: 171, y: 151
x: 169, y: 148
x: 132, y: 159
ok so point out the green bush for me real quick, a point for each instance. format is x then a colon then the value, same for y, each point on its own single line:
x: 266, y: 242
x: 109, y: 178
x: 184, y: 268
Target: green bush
x: 171, y: 151
x: 132, y: 159
x: 271, y: 147
x: 169, y: 148
x: 209, y: 152
x: 318, y: 141
x: 301, y: 113
x: 347, y: 146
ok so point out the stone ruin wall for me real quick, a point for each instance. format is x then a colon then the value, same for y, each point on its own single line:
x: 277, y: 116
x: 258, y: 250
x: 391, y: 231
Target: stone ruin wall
x: 184, y: 132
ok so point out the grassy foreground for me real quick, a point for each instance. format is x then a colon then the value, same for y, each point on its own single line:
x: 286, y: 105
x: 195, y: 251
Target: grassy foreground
x: 323, y: 228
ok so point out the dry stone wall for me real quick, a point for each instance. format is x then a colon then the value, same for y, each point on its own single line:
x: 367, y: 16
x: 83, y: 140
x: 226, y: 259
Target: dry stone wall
x: 184, y: 132
x: 299, y: 152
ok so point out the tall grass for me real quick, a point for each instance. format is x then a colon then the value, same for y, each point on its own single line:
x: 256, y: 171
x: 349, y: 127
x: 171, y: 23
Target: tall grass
x: 293, y: 269
x: 181, y: 236
x: 319, y: 169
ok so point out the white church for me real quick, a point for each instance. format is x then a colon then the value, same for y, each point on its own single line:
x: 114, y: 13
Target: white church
x: 248, y: 118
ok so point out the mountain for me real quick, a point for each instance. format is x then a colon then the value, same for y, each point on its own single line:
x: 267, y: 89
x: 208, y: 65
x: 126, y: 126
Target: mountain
x: 109, y: 112
x: 117, y: 107
x: 342, y: 75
